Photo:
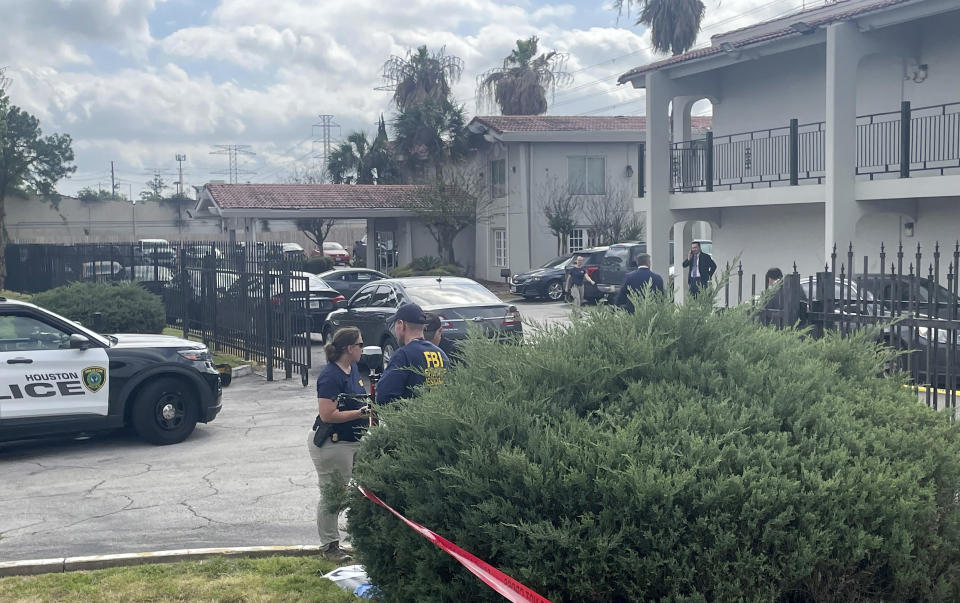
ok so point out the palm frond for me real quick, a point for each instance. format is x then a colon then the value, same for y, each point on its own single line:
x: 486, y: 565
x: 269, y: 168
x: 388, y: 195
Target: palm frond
x: 520, y: 86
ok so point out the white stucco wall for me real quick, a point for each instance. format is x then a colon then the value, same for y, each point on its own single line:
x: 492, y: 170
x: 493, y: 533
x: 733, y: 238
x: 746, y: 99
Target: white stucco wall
x: 545, y: 165
x: 768, y: 91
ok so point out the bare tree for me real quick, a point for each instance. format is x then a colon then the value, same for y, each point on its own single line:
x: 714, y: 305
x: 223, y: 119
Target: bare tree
x: 561, y: 208
x: 451, y: 203
x: 612, y: 215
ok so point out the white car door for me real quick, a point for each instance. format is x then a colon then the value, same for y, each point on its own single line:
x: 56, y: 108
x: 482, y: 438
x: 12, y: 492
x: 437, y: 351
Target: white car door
x: 40, y: 375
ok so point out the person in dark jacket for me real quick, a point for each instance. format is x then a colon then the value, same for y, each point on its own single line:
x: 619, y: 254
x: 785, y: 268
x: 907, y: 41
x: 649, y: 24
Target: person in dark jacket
x: 418, y: 361
x: 640, y: 281
x: 701, y: 267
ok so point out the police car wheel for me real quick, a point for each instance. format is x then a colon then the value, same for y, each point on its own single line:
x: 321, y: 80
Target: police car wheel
x: 165, y: 411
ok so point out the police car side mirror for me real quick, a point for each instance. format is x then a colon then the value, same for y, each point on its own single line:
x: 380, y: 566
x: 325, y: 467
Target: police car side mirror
x: 79, y: 342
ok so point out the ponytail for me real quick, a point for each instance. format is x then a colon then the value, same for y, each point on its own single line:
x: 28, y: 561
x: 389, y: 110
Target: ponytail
x: 340, y: 341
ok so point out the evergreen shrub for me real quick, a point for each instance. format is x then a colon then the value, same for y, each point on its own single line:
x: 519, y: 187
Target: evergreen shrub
x: 672, y: 454
x: 427, y: 266
x: 124, y: 307
x: 318, y: 264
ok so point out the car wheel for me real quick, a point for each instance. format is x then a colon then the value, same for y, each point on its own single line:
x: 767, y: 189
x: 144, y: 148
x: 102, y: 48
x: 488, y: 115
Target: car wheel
x: 554, y: 290
x: 389, y: 347
x: 326, y: 334
x: 165, y: 411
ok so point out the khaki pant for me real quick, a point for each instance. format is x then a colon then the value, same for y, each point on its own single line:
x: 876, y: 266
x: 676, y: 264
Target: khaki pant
x: 330, y: 459
x: 576, y: 292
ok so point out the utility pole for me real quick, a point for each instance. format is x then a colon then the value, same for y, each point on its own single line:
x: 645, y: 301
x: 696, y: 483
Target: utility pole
x: 233, y: 151
x: 113, y: 181
x: 323, y: 141
x: 180, y: 159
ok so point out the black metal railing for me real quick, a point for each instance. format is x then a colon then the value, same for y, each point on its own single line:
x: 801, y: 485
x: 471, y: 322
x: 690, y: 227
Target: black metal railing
x: 249, y: 301
x: 913, y: 301
x: 891, y: 144
x: 761, y: 158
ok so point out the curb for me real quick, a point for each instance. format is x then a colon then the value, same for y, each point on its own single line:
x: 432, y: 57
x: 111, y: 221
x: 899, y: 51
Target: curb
x: 94, y: 562
x: 242, y: 371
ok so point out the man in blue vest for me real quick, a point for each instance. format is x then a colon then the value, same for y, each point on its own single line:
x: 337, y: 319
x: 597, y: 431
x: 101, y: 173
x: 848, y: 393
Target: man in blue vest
x: 418, y: 361
x: 639, y: 281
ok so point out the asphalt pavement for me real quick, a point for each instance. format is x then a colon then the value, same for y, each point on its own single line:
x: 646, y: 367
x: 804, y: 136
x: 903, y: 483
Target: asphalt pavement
x: 243, y: 480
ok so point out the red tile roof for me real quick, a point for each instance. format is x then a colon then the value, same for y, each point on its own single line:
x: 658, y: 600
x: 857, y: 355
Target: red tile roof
x: 573, y: 123
x: 313, y: 196
x: 766, y: 37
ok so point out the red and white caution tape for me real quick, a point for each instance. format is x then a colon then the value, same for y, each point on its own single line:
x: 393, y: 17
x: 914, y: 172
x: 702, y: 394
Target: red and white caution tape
x: 491, y: 576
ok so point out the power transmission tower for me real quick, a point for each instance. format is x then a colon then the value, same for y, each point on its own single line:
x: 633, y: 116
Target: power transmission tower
x: 180, y: 159
x: 233, y: 151
x: 323, y: 142
x: 113, y: 181
x: 4, y: 80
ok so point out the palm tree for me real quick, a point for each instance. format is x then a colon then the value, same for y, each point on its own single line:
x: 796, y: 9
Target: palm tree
x: 520, y: 86
x: 421, y: 76
x: 349, y: 163
x: 674, y: 24
x: 429, y: 134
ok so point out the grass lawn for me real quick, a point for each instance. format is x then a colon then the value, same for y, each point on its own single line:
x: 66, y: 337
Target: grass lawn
x: 217, y: 357
x: 217, y: 579
x: 15, y: 295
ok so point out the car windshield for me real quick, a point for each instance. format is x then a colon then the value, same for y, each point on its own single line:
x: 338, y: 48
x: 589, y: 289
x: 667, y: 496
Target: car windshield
x: 557, y: 262
x: 453, y: 294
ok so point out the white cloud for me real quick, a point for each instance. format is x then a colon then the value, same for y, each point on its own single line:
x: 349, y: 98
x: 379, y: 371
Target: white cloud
x: 258, y: 73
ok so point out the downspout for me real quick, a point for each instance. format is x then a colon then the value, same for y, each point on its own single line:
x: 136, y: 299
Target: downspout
x: 529, y: 205
x: 506, y: 178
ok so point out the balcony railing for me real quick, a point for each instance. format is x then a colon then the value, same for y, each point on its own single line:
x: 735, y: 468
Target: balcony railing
x: 893, y: 144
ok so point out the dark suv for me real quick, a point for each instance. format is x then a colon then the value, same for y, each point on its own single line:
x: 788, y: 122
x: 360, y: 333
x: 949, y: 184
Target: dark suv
x: 619, y: 259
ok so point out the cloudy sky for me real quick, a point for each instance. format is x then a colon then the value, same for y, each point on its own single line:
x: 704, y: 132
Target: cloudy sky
x: 138, y: 81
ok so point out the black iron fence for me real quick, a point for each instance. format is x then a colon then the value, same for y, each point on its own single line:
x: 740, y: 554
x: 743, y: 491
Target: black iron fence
x: 912, y: 299
x: 891, y: 144
x: 250, y: 301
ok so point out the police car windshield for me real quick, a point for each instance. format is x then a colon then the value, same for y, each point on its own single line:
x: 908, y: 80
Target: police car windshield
x: 557, y: 262
x: 459, y: 294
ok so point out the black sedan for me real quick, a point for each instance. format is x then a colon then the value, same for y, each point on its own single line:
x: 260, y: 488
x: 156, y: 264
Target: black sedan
x: 349, y: 280
x: 459, y: 302
x: 546, y: 281
x: 244, y: 301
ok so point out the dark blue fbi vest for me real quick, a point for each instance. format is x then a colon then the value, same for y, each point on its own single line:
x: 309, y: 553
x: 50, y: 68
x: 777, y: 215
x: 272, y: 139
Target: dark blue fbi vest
x: 414, y: 364
x: 331, y: 382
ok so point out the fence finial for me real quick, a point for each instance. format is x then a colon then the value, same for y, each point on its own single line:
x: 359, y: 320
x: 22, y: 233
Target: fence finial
x: 795, y: 267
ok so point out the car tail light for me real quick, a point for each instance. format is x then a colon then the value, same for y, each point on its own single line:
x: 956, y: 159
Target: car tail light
x: 512, y: 318
x: 444, y: 323
x: 275, y: 300
x: 592, y: 269
x: 338, y: 298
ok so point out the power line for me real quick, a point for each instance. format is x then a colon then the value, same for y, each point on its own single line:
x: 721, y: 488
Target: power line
x: 233, y: 151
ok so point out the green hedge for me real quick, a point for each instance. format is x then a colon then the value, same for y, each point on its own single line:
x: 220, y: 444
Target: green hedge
x: 427, y: 266
x: 672, y: 454
x: 318, y: 264
x: 124, y: 307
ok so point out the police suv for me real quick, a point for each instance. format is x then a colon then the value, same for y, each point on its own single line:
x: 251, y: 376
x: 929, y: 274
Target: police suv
x: 57, y: 376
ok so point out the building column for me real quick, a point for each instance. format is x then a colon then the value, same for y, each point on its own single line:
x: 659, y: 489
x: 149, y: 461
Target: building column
x: 682, y: 238
x: 844, y: 52
x: 371, y: 243
x: 656, y: 203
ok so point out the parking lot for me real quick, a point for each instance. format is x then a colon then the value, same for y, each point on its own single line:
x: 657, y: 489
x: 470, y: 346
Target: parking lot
x: 244, y: 479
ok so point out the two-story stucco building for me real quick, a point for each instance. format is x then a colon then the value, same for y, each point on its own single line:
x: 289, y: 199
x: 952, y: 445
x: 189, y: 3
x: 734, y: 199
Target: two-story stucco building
x: 836, y: 124
x: 527, y: 158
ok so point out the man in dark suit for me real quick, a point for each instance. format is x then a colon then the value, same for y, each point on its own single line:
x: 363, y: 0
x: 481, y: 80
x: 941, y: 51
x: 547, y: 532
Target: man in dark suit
x: 640, y: 280
x: 701, y: 267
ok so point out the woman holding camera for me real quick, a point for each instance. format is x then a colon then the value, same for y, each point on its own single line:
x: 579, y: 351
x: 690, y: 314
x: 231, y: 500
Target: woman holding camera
x: 334, y: 457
